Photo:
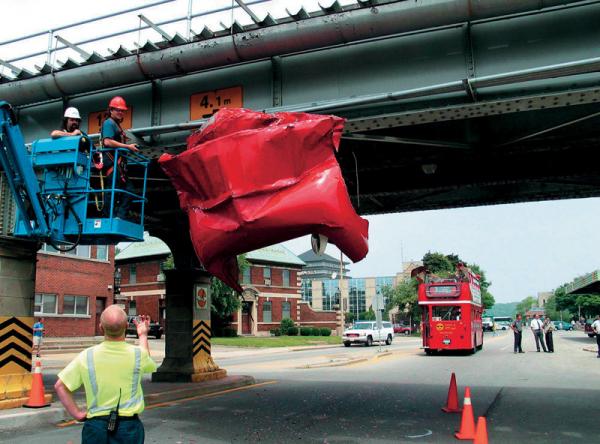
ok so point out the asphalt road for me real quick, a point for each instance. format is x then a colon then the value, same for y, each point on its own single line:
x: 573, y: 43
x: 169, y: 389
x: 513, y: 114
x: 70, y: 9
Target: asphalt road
x: 527, y: 398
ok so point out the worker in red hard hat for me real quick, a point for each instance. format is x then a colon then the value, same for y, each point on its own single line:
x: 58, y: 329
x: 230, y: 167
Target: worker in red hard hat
x: 112, y: 138
x: 70, y: 124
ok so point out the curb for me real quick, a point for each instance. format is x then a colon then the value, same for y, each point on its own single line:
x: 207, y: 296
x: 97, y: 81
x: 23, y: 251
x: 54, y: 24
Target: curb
x: 57, y: 416
x: 22, y: 418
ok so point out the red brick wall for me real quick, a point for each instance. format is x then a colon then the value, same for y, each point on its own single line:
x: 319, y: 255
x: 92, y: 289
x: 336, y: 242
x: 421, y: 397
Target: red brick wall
x: 68, y: 275
x: 310, y: 317
x: 146, y: 280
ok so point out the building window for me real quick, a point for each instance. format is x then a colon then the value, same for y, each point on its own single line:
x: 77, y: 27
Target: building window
x: 133, y: 274
x: 286, y: 309
x: 267, y: 275
x: 331, y: 293
x: 246, y: 276
x: 267, y: 312
x: 45, y: 304
x: 132, y: 308
x: 380, y: 284
x: 102, y: 252
x: 75, y: 305
x: 82, y: 251
x: 306, y: 291
x: 49, y: 248
x: 286, y: 278
x: 357, y: 296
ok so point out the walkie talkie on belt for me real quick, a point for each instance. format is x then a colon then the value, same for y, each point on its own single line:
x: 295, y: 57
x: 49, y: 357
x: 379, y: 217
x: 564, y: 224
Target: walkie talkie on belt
x: 113, y: 417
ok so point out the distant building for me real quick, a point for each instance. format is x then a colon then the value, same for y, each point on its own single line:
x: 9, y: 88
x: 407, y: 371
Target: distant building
x: 320, y: 267
x: 323, y: 293
x: 141, y: 282
x: 543, y: 297
x: 533, y: 311
x: 272, y: 292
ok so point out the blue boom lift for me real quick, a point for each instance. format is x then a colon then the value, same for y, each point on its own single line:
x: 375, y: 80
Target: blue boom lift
x: 58, y: 201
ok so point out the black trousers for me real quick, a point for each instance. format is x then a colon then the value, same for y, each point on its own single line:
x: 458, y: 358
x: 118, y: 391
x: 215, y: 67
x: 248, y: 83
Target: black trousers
x: 539, y: 338
x: 518, y: 337
x: 598, y: 342
x: 549, y: 341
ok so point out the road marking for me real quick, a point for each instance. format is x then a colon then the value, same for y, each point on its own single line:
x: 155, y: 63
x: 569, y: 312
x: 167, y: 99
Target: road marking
x: 177, y: 401
x: 427, y: 433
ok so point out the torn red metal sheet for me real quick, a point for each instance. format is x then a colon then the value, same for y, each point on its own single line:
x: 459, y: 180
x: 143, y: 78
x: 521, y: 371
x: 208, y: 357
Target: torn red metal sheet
x: 249, y: 180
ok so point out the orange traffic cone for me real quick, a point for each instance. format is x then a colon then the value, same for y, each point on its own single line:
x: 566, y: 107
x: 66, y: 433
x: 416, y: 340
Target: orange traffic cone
x: 467, y: 423
x: 481, y: 433
x: 37, y: 396
x: 452, y: 402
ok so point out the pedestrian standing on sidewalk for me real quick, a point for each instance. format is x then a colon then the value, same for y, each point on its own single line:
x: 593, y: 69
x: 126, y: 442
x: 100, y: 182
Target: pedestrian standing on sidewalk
x: 537, y: 327
x: 111, y: 374
x: 548, y: 329
x: 596, y: 328
x: 517, y: 328
x: 38, y: 334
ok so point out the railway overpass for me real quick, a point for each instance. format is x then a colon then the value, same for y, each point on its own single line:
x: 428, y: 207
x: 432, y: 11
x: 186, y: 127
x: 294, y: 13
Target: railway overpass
x: 449, y: 103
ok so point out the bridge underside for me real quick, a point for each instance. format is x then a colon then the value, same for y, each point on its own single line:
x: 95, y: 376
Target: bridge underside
x: 478, y: 112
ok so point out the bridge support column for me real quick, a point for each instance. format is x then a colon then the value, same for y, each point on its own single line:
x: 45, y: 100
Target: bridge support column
x: 17, y: 289
x: 188, y: 329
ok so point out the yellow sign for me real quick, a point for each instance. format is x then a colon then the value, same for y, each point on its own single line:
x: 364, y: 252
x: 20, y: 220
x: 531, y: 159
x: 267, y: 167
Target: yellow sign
x: 95, y: 120
x: 205, y: 104
x: 439, y: 327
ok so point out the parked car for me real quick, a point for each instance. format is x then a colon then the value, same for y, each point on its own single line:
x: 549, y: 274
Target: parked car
x: 402, y: 329
x: 589, y: 330
x: 156, y: 329
x: 366, y: 332
x: 488, y: 324
x: 502, y: 325
x: 562, y: 325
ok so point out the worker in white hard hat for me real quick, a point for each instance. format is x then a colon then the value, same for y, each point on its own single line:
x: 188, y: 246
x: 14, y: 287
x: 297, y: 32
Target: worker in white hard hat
x: 70, y: 124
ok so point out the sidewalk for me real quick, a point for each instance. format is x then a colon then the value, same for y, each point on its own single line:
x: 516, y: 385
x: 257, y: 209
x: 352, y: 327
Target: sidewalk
x: 155, y: 395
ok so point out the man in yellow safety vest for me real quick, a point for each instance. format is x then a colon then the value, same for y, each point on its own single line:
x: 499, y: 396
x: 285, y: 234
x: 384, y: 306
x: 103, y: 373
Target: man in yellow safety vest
x: 111, y: 374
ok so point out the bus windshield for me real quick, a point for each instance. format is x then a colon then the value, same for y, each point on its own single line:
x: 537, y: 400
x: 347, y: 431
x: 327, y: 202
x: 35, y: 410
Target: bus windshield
x: 445, y: 312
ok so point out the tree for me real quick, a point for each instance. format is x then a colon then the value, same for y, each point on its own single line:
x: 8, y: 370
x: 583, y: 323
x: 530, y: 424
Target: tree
x: 487, y: 299
x: 404, y: 296
x: 438, y: 263
x: 565, y: 301
x: 526, y: 304
x: 445, y: 265
x: 349, y: 317
x: 553, y: 312
x: 368, y: 315
x: 224, y: 300
x: 589, y: 303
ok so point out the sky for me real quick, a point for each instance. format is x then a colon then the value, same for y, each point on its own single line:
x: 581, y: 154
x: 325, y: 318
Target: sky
x: 523, y: 248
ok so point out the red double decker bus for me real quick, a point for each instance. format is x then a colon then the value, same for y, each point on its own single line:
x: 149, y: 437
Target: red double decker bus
x: 451, y: 311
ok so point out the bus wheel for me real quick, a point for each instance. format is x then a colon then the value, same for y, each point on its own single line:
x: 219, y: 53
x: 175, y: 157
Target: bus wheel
x: 346, y: 344
x: 474, y: 345
x: 369, y: 341
x: 388, y: 341
x: 480, y: 346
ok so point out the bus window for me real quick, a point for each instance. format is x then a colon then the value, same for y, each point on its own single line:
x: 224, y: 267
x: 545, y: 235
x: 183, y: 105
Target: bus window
x: 445, y: 313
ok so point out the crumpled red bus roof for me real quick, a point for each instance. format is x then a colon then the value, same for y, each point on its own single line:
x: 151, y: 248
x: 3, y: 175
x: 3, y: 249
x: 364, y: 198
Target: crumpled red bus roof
x: 250, y: 179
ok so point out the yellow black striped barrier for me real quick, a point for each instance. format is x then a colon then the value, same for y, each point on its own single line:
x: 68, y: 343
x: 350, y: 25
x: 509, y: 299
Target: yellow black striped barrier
x: 15, y: 344
x: 201, y: 335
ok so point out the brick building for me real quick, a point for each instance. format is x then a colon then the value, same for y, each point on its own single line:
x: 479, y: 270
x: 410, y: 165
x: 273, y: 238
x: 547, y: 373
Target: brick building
x: 139, y: 273
x: 272, y: 292
x: 73, y: 288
